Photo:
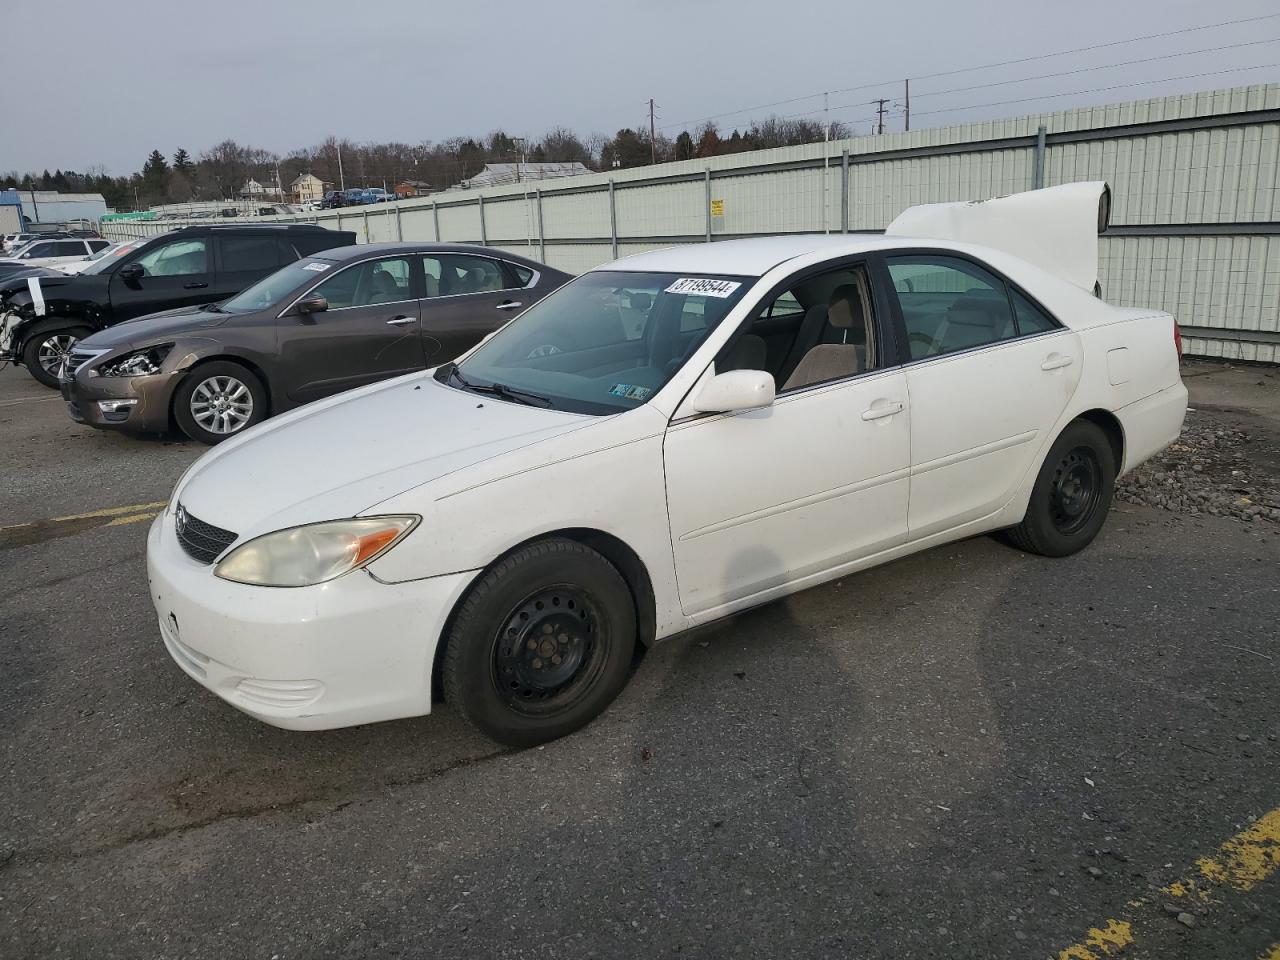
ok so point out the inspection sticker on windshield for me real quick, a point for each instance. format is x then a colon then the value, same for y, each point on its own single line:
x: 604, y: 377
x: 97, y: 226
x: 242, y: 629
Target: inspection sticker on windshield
x: 704, y: 287
x: 628, y: 392
x: 317, y: 267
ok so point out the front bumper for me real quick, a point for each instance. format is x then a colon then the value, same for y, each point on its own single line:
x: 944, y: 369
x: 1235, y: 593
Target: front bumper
x: 350, y: 651
x: 152, y: 396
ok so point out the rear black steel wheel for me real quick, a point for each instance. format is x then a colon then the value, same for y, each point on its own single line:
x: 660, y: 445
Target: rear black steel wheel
x: 1072, y: 493
x: 542, y: 643
x: 1077, y: 485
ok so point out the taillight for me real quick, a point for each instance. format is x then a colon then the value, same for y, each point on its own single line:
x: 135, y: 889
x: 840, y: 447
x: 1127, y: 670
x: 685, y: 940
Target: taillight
x: 1177, y: 339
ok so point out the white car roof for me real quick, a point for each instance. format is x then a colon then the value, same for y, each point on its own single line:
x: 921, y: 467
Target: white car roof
x: 752, y: 257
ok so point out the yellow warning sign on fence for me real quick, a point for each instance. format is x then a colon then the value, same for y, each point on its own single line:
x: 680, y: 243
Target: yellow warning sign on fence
x: 717, y: 208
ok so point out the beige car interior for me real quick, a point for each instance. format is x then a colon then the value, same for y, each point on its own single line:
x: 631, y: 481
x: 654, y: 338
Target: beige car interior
x: 831, y: 340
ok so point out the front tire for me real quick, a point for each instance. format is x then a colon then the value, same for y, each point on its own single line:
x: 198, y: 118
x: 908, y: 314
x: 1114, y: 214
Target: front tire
x: 1072, y: 494
x: 541, y: 645
x: 216, y: 401
x: 46, y: 346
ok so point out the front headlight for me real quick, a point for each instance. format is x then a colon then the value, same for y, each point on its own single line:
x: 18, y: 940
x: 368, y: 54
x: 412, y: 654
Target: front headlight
x: 140, y: 363
x: 302, y: 556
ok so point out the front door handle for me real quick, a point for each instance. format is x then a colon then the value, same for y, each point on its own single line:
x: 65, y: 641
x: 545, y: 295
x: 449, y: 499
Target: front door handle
x: 510, y: 305
x: 400, y: 321
x: 194, y: 286
x: 1056, y: 361
x: 882, y: 408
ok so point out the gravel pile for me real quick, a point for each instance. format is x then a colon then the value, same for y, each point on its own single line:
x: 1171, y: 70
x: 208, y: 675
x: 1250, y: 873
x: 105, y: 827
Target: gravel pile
x: 1211, y: 469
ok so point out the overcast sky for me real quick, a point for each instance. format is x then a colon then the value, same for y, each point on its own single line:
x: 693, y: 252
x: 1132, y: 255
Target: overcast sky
x: 116, y: 80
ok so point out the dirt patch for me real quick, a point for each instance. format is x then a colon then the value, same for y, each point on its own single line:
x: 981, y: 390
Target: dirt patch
x: 1226, y: 463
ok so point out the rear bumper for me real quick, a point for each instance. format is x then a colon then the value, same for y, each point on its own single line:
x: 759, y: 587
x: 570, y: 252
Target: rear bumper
x: 90, y: 401
x: 350, y: 651
x: 1151, y: 424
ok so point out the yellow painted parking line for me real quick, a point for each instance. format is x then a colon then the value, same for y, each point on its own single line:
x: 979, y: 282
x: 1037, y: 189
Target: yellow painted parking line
x: 1248, y: 858
x: 115, y: 511
x: 1240, y: 864
x: 1105, y: 942
x: 10, y: 403
x: 40, y: 531
x: 134, y: 518
x: 136, y: 508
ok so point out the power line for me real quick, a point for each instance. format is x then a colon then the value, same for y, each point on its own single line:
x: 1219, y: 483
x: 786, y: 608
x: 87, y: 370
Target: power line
x: 1046, y: 96
x: 984, y: 66
x: 1117, y: 86
x: 1105, y: 66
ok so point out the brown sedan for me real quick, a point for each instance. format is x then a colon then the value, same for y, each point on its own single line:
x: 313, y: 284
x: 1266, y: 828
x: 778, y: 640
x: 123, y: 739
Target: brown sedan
x: 341, y: 319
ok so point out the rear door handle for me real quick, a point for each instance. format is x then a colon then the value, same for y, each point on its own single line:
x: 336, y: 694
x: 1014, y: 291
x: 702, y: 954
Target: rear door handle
x: 882, y: 408
x: 510, y: 305
x: 400, y: 321
x: 1056, y: 361
x: 194, y: 286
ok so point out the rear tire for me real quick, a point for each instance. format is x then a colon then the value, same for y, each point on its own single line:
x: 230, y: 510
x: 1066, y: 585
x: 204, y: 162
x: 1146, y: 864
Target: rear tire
x: 217, y: 401
x: 1071, y: 496
x: 542, y: 644
x: 46, y: 345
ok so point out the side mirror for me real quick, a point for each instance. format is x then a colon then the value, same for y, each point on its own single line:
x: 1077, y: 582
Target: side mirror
x: 736, y: 390
x: 132, y: 271
x: 312, y: 305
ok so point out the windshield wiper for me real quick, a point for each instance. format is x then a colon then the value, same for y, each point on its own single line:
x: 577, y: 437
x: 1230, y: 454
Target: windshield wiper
x: 499, y: 390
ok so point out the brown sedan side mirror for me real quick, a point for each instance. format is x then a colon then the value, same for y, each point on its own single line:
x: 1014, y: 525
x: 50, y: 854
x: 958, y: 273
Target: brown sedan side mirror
x: 312, y: 305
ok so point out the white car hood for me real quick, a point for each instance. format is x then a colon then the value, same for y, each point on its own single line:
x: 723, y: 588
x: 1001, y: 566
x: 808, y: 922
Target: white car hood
x: 340, y: 457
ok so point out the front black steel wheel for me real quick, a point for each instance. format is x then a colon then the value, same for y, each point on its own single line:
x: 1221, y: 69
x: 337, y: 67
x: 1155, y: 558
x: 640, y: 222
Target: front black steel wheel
x: 1072, y: 493
x: 541, y: 644
x: 550, y: 651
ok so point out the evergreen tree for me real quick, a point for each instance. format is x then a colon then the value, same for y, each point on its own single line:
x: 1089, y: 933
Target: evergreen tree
x: 182, y: 161
x: 684, y: 146
x: 155, y: 177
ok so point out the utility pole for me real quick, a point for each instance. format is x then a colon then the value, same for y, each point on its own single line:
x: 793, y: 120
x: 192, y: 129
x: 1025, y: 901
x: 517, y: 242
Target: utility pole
x: 826, y: 157
x: 880, y: 112
x: 342, y: 181
x: 653, y: 141
x: 906, y: 106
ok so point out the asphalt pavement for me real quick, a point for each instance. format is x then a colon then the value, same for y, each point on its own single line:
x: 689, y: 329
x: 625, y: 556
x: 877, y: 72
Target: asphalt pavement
x: 968, y: 753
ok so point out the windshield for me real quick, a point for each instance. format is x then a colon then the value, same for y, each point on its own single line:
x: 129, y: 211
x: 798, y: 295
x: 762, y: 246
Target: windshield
x: 602, y: 344
x: 270, y: 290
x: 105, y: 259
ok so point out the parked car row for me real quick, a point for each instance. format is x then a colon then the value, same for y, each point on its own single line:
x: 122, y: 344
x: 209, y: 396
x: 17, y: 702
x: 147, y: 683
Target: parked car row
x: 45, y: 312
x: 50, y: 253
x: 355, y: 197
x: 332, y: 321
x: 505, y: 512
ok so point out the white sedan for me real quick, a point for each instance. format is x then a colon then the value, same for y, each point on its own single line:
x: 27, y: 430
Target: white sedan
x: 54, y: 252
x: 666, y: 440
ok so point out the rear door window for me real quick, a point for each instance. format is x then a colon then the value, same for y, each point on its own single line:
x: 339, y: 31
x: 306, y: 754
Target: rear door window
x: 242, y: 254
x: 463, y: 274
x: 1031, y: 319
x: 949, y: 304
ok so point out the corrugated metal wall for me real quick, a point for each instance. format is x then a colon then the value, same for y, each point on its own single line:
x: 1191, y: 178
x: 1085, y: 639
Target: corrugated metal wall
x: 1195, y: 185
